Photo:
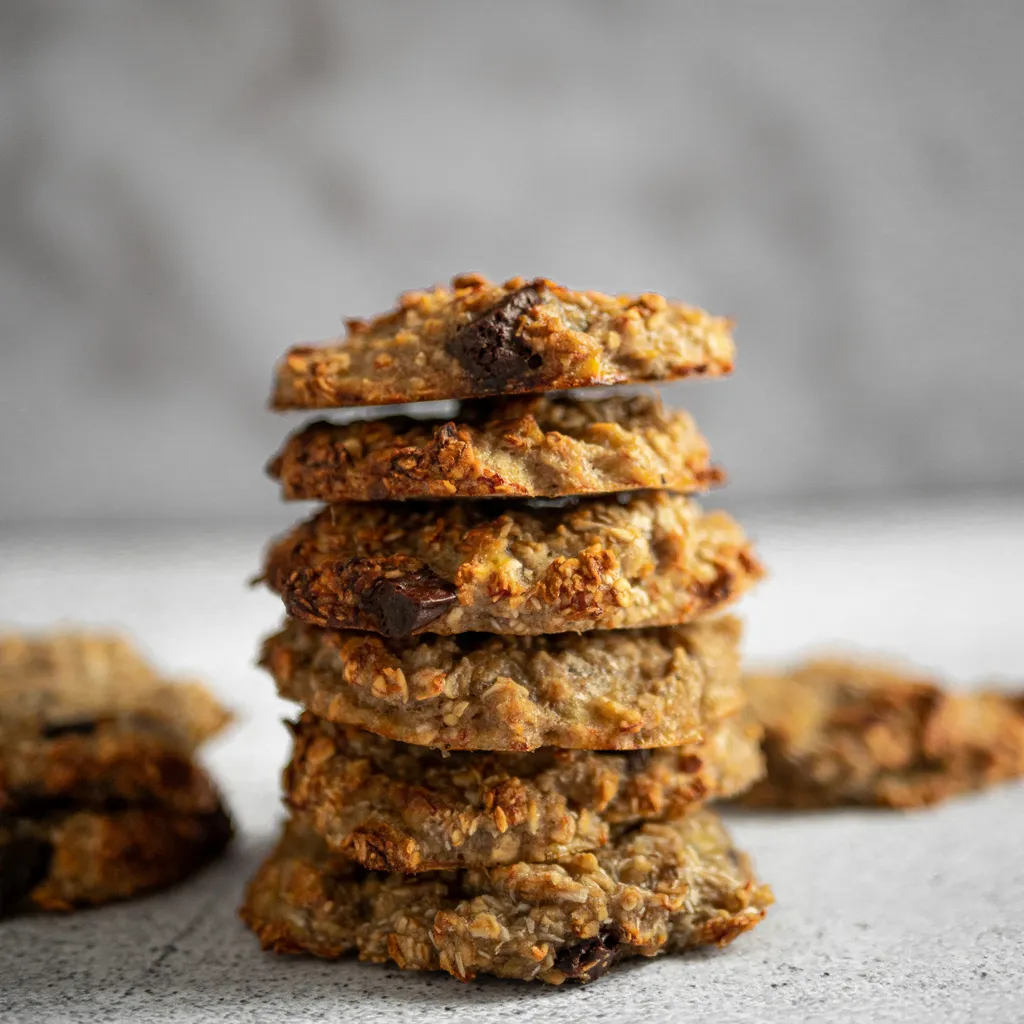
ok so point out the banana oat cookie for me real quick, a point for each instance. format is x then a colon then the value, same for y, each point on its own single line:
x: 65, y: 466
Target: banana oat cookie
x: 661, y: 888
x: 58, y: 681
x: 398, y: 807
x: 622, y: 689
x: 64, y: 860
x: 847, y: 732
x: 84, y: 719
x: 98, y: 762
x: 478, y: 339
x: 646, y: 559
x: 527, y: 447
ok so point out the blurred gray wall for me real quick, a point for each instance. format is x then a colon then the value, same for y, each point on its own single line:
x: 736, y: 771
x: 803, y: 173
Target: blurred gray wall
x: 188, y: 187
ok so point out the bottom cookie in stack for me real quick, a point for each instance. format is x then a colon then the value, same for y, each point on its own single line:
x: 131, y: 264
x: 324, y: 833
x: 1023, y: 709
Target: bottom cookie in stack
x: 654, y: 888
x: 100, y: 797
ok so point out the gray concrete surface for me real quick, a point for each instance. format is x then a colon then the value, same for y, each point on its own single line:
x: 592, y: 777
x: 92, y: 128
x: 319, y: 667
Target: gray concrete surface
x: 187, y: 188
x: 880, y: 917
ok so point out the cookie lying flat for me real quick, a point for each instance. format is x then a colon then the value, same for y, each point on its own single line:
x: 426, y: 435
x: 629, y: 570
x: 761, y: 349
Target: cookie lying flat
x: 479, y: 339
x: 398, y: 807
x: 60, y: 681
x: 622, y: 689
x: 652, y: 558
x: 84, y: 719
x: 841, y: 732
x: 661, y: 888
x: 89, y: 857
x: 526, y: 447
x: 102, y: 762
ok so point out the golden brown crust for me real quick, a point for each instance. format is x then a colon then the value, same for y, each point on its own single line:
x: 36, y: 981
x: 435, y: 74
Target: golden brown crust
x: 544, y: 447
x: 48, y: 682
x: 89, y: 857
x: 398, y: 807
x: 662, y: 888
x: 844, y: 732
x: 478, y: 339
x: 622, y: 689
x: 651, y: 558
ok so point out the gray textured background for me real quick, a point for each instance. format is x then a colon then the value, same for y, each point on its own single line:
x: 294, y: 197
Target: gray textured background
x: 186, y: 188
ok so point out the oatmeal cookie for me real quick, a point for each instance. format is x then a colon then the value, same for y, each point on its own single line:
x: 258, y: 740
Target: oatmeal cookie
x: 63, y: 680
x: 80, y: 858
x: 622, y: 689
x: 846, y: 732
x: 93, y: 763
x: 478, y: 339
x: 85, y: 720
x: 661, y: 888
x: 646, y: 559
x: 398, y: 807
x: 521, y: 447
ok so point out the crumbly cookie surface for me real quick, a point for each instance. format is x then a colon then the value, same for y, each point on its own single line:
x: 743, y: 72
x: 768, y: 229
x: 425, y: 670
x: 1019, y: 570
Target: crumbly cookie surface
x: 50, y: 683
x: 398, y: 807
x: 620, y: 689
x: 479, y: 338
x: 545, y: 447
x: 650, y: 558
x: 90, y: 857
x: 847, y: 732
x: 661, y: 888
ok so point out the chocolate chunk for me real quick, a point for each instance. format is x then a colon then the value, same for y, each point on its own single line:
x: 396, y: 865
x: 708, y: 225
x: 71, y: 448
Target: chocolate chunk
x: 588, y: 960
x: 638, y: 760
x: 490, y: 350
x: 72, y: 727
x: 401, y: 605
x: 24, y: 863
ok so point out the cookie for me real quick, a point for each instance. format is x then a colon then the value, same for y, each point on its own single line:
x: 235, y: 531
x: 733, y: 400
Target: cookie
x: 398, y: 807
x: 520, y: 447
x: 84, y: 720
x: 478, y: 339
x: 847, y: 732
x: 88, y: 857
x: 61, y: 681
x: 650, y: 558
x: 661, y: 888
x: 623, y: 689
x: 94, y: 763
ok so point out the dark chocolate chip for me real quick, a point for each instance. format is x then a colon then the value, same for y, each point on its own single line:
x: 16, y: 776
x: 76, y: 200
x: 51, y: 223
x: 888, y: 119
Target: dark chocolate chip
x: 72, y: 727
x: 24, y: 863
x: 588, y: 960
x: 638, y: 760
x: 489, y: 348
x: 404, y: 604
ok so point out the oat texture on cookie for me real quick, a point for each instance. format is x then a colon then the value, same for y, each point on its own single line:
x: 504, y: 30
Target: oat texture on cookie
x: 518, y: 692
x: 101, y: 795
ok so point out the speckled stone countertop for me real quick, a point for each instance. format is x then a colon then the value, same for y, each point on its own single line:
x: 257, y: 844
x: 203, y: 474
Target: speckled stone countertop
x: 879, y: 916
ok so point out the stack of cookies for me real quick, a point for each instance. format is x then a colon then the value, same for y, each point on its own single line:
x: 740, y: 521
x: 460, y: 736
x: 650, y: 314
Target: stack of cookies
x: 100, y: 795
x: 516, y: 703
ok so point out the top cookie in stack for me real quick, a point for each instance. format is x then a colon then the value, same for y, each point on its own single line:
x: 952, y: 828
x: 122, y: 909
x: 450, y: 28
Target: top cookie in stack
x: 423, y: 623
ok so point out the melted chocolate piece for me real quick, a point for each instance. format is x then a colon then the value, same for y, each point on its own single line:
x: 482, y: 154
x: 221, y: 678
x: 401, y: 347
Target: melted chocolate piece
x: 400, y: 606
x: 490, y: 350
x: 72, y: 727
x: 24, y: 863
x: 585, y: 961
